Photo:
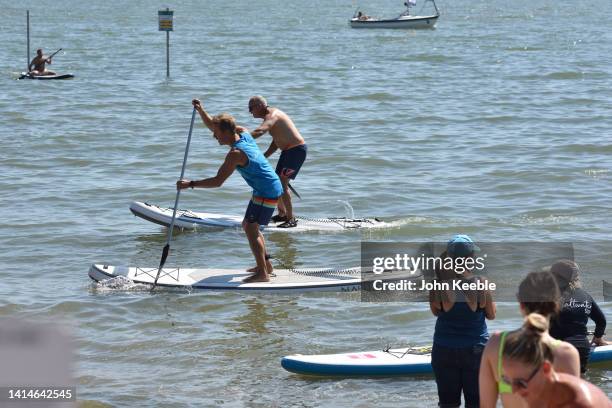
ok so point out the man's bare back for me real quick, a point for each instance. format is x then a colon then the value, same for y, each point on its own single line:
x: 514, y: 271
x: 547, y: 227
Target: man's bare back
x: 282, y: 129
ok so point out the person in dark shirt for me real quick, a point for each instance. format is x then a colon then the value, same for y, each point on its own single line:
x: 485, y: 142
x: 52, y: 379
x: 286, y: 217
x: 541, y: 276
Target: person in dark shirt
x: 577, y: 307
x: 461, y: 332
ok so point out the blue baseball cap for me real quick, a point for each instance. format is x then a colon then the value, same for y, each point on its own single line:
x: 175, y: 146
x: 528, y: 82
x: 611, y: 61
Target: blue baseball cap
x: 461, y: 245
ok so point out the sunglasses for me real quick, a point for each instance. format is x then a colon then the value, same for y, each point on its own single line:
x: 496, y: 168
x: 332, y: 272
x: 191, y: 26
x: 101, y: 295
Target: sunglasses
x: 519, y: 382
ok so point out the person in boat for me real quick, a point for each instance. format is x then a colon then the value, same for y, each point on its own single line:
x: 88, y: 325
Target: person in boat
x: 577, y: 307
x: 39, y: 62
x: 461, y: 332
x: 528, y: 363
x: 244, y: 155
x: 362, y: 17
x: 537, y: 293
x: 288, y: 139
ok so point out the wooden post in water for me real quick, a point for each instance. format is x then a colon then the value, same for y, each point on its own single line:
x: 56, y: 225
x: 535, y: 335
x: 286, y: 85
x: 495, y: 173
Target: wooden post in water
x: 28, y: 34
x: 165, y: 24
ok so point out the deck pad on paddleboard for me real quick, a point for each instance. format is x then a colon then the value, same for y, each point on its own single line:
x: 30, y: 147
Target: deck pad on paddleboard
x: 190, y: 220
x: 25, y: 75
x: 392, y: 362
x: 286, y: 280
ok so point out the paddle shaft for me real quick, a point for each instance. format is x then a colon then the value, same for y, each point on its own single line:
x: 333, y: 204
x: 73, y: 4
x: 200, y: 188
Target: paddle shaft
x: 176, y: 201
x: 52, y: 55
x: 294, y: 192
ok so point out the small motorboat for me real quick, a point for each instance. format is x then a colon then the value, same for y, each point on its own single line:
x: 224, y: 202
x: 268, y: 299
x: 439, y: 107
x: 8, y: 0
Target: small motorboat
x: 404, y: 20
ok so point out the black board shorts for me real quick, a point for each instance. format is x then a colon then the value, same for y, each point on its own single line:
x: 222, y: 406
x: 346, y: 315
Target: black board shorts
x: 291, y: 161
x: 260, y: 210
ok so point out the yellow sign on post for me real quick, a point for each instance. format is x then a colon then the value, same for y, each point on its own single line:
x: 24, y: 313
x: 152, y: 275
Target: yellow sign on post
x: 165, y: 20
x: 165, y: 24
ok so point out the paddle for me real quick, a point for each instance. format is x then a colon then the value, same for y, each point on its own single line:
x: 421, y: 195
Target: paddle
x: 176, y: 201
x: 294, y: 192
x: 52, y: 55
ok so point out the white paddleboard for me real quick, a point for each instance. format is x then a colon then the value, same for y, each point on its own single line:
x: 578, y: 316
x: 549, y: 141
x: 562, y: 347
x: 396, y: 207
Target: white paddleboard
x: 393, y: 362
x: 187, y: 219
x: 286, y: 280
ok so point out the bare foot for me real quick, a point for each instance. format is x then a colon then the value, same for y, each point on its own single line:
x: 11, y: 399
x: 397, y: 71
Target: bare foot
x: 258, y: 277
x: 255, y: 269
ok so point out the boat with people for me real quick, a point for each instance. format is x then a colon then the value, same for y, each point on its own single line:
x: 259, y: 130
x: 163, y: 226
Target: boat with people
x: 404, y: 20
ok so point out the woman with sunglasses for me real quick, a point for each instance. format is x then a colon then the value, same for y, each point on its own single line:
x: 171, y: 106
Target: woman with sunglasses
x: 537, y: 293
x: 528, y: 366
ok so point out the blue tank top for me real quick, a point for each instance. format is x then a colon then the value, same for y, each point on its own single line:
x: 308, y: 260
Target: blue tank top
x: 461, y: 327
x: 258, y: 173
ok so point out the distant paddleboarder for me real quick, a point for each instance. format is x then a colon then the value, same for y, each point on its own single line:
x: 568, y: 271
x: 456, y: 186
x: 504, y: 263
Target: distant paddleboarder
x: 39, y: 62
x: 288, y: 139
x: 244, y: 155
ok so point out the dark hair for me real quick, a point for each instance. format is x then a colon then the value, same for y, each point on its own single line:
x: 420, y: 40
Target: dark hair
x: 539, y: 293
x: 525, y: 344
x: 225, y: 121
x: 566, y: 274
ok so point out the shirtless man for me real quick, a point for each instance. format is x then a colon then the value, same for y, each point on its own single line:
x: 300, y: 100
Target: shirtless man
x: 39, y: 62
x: 287, y: 138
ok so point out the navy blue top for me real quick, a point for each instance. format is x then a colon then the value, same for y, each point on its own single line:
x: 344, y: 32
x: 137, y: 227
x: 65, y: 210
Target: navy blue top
x: 571, y: 323
x: 461, y: 327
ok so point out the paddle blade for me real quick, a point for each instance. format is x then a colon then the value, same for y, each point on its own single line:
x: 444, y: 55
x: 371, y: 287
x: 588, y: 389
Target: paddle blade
x: 294, y: 192
x: 165, y: 253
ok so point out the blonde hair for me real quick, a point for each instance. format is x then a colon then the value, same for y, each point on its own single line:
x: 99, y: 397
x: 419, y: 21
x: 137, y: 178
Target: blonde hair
x: 225, y: 121
x: 526, y: 345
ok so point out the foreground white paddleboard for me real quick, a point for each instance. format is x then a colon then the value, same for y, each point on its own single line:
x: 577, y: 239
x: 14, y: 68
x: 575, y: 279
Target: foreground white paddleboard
x: 391, y: 362
x: 191, y: 220
x: 286, y: 280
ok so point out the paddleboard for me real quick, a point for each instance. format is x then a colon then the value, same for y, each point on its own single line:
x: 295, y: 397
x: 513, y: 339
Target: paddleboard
x: 286, y: 280
x: 187, y: 219
x: 392, y: 362
x: 26, y: 75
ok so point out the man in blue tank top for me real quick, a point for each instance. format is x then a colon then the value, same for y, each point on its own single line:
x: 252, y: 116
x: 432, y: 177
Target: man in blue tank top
x: 244, y: 155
